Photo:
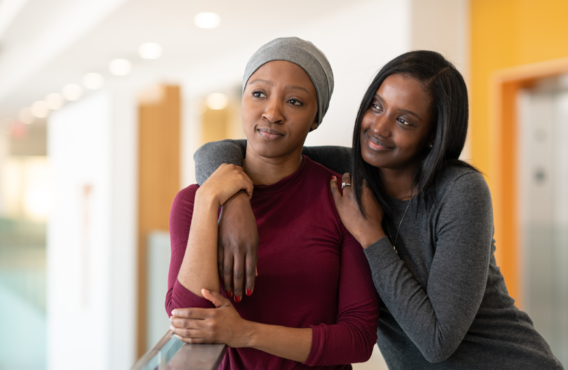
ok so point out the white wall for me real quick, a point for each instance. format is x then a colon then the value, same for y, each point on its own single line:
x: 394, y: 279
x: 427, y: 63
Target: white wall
x: 91, y: 240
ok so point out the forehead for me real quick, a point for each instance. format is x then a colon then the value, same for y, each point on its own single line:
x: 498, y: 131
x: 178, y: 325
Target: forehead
x: 281, y: 72
x: 404, y: 92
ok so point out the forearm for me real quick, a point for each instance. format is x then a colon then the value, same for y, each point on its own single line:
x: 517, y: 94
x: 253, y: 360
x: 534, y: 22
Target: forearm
x: 199, y: 267
x: 290, y: 343
x: 211, y: 155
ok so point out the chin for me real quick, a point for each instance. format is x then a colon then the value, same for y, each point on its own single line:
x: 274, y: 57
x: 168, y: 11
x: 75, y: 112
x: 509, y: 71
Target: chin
x: 373, y: 159
x: 267, y: 150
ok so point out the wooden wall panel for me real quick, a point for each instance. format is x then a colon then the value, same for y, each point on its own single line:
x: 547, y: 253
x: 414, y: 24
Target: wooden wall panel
x: 158, y: 179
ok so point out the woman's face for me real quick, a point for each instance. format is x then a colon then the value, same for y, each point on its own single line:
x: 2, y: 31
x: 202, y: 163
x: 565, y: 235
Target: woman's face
x: 279, y: 108
x: 396, y: 129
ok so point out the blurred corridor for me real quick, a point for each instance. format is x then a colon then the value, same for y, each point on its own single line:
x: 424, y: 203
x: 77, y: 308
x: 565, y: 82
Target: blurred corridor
x: 103, y: 103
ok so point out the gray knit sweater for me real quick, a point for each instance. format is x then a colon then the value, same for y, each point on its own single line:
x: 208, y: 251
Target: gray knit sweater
x: 444, y: 301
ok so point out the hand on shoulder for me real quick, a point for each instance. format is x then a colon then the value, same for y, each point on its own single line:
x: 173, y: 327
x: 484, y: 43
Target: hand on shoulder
x: 225, y: 182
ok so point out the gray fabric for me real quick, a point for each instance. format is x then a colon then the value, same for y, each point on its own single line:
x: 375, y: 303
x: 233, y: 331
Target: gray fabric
x: 211, y: 155
x: 444, y: 301
x: 302, y: 53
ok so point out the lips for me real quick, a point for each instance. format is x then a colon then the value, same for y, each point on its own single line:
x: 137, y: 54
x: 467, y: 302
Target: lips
x: 378, y: 144
x: 269, y: 133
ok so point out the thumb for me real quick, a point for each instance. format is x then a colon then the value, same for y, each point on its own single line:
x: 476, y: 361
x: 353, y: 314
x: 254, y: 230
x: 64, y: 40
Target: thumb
x: 214, y: 297
x: 335, y: 190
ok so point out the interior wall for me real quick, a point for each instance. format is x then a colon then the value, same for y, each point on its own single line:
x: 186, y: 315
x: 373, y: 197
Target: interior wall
x: 92, y: 233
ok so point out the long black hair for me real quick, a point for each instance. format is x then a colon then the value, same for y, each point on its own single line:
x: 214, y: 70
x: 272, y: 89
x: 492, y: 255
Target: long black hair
x: 446, y: 86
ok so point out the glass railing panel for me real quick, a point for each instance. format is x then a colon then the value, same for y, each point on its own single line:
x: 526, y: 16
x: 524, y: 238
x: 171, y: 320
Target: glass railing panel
x: 172, y: 354
x: 22, y: 295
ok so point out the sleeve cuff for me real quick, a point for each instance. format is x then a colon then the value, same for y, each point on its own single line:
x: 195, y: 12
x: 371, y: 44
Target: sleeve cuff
x: 318, y: 344
x: 381, y: 254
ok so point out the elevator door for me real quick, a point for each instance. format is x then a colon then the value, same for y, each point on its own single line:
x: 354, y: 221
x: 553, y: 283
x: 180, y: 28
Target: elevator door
x: 543, y: 198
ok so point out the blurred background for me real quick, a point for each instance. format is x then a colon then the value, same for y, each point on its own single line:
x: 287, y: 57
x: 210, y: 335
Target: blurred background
x: 103, y: 103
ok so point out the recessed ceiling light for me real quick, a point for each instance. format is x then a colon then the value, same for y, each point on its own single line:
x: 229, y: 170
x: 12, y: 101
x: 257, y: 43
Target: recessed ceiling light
x: 217, y: 101
x: 54, y: 101
x: 120, y: 67
x: 25, y: 116
x: 207, y: 20
x: 40, y: 109
x: 72, y: 92
x: 93, y: 81
x: 150, y: 50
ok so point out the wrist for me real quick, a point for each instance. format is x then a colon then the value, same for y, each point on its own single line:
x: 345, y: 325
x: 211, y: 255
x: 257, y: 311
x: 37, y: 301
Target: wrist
x: 371, y: 238
x: 203, y: 197
x: 252, y: 333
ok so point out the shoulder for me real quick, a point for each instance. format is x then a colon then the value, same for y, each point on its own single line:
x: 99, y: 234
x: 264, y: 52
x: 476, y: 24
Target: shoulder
x: 187, y: 192
x: 457, y: 179
x: 461, y: 189
x: 319, y: 171
x: 185, y: 197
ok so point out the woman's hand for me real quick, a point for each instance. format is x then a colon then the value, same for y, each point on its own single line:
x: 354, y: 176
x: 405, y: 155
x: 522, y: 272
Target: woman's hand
x: 366, y: 230
x: 238, y: 246
x: 221, y: 324
x: 225, y: 182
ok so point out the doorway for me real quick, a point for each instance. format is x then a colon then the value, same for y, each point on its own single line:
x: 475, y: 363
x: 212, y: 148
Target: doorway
x: 543, y: 205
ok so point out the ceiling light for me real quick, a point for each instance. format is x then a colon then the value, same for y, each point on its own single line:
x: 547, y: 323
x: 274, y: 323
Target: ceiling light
x: 40, y: 109
x: 150, y: 50
x: 54, y: 101
x: 120, y: 67
x: 93, y: 81
x: 207, y: 20
x: 72, y: 92
x: 25, y: 116
x: 217, y: 101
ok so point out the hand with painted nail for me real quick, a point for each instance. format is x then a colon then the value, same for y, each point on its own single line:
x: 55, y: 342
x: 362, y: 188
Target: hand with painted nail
x: 221, y: 324
x: 237, y: 247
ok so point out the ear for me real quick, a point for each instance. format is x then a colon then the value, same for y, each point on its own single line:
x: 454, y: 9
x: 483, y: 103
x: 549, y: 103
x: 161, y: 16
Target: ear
x: 314, y: 126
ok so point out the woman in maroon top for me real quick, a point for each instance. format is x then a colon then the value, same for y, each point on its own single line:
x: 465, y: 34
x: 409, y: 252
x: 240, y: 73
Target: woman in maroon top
x: 317, y: 306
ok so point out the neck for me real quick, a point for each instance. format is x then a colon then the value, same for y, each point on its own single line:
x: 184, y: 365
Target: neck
x: 268, y: 171
x: 398, y: 183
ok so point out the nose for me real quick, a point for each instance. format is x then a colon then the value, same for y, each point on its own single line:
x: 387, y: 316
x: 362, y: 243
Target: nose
x: 381, y: 126
x: 273, y: 110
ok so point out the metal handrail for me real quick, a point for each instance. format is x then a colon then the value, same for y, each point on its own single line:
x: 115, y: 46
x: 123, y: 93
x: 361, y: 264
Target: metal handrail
x: 186, y: 356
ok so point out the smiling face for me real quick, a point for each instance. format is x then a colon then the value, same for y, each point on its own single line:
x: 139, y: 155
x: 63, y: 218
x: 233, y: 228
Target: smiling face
x: 396, y: 128
x: 279, y: 108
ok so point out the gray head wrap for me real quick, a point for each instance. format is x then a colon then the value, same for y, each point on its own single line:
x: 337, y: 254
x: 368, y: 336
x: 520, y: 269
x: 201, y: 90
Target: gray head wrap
x: 304, y: 54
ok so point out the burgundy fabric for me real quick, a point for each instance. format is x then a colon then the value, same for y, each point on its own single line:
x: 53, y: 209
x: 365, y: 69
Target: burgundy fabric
x: 311, y: 273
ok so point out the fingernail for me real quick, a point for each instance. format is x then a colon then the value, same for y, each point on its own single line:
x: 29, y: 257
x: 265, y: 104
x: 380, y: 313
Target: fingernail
x: 237, y: 298
x: 172, y: 328
x: 173, y: 312
x: 229, y: 294
x: 249, y: 292
x: 333, y: 177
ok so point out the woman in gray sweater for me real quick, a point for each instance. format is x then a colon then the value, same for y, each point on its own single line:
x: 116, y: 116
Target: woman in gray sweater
x: 424, y: 219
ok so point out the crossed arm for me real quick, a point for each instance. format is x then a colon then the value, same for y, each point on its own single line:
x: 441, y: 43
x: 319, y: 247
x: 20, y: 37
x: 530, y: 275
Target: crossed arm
x: 211, y: 318
x: 198, y: 274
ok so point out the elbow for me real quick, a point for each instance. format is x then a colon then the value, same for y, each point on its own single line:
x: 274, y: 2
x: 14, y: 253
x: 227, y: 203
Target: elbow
x: 439, y: 353
x: 366, y: 354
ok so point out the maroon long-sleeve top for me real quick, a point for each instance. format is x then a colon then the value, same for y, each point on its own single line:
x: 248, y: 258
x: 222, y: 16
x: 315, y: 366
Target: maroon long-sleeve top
x: 311, y: 273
